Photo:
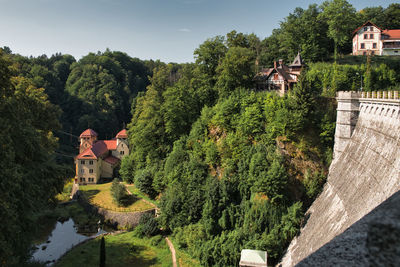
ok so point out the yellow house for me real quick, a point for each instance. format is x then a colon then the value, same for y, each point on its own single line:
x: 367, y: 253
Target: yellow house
x: 99, y: 158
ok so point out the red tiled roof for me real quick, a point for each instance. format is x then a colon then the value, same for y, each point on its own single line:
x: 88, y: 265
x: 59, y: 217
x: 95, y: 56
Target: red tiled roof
x: 111, y: 144
x: 112, y: 160
x: 122, y: 134
x: 393, y: 34
x: 88, y: 132
x: 99, y: 148
x: 87, y: 154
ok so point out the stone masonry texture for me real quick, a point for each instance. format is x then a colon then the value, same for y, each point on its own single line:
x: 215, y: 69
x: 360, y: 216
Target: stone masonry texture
x: 361, y: 177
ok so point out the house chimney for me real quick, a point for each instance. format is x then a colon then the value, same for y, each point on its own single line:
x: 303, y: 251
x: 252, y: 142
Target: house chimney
x: 280, y: 62
x: 274, y: 64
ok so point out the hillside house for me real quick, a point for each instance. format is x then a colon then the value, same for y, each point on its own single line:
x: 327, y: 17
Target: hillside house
x: 99, y: 158
x: 370, y: 39
x: 280, y: 78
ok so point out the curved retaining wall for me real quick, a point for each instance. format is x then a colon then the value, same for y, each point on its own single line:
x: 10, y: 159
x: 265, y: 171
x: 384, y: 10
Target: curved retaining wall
x: 362, y: 176
x: 126, y: 220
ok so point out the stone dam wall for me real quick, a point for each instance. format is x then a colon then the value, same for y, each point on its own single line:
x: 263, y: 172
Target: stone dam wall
x: 365, y: 171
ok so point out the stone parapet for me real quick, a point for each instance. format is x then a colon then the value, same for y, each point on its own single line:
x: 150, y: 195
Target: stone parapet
x: 347, y: 116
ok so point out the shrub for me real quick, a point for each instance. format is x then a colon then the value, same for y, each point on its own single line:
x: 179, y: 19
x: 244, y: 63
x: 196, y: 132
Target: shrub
x: 156, y: 240
x: 149, y: 224
x: 119, y: 193
x: 144, y: 181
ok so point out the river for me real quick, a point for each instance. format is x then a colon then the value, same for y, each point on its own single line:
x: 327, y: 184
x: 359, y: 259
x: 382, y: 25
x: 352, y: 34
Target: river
x: 62, y: 238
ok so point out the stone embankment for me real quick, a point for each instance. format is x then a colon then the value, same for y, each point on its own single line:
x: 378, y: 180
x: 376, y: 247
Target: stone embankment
x: 124, y: 220
x: 364, y: 173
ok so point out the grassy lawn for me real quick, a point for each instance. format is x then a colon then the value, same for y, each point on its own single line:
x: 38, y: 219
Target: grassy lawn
x: 121, y: 250
x: 134, y: 190
x: 99, y: 195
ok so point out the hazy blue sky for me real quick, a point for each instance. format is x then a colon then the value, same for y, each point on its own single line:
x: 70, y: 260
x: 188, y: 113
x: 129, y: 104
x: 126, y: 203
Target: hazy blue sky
x: 168, y: 30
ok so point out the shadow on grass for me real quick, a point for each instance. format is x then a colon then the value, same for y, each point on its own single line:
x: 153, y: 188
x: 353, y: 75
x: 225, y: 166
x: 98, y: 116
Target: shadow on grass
x: 91, y: 193
x: 129, y: 200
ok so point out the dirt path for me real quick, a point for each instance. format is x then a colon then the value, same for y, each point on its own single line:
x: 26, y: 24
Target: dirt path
x: 172, y: 249
x: 148, y: 202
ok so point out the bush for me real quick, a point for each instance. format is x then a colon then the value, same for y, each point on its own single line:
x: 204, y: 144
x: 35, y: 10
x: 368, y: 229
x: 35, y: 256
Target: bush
x: 119, y: 193
x: 144, y: 181
x: 156, y: 240
x: 149, y: 225
x: 138, y: 231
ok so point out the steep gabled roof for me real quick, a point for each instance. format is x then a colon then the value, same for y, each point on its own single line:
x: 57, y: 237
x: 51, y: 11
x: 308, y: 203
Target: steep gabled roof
x: 98, y: 149
x: 122, y: 134
x: 284, y: 74
x: 87, y: 154
x: 368, y: 23
x: 298, y: 61
x: 88, y: 133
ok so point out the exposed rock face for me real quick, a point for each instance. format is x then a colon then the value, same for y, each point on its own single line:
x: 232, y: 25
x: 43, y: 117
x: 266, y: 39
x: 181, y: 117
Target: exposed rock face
x: 363, y: 175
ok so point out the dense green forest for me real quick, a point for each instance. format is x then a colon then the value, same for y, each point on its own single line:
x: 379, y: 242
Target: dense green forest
x: 231, y: 167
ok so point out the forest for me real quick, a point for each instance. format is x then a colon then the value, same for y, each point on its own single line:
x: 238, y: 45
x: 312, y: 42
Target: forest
x: 230, y: 167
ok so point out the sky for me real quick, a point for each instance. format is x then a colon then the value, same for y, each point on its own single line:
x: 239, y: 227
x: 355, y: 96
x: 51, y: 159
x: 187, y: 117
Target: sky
x: 168, y: 30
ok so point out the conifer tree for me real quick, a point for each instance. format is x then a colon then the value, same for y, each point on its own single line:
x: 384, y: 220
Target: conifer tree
x: 102, y: 253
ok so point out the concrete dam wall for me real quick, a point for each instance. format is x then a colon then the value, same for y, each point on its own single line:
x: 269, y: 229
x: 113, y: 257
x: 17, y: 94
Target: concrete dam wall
x: 364, y: 173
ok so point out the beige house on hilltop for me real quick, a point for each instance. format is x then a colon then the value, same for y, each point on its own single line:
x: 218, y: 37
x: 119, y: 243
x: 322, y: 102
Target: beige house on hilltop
x: 370, y: 39
x: 99, y: 158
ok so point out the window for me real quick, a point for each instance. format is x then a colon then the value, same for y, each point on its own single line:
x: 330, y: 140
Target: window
x: 122, y: 145
x: 82, y: 162
x: 362, y: 45
x: 364, y: 53
x: 91, y: 180
x: 365, y: 36
x: 82, y: 170
x: 276, y: 76
x: 90, y: 162
x: 372, y: 52
x: 374, y: 45
x: 371, y: 36
x: 83, y: 179
x: 121, y: 152
x: 90, y: 170
x: 365, y: 29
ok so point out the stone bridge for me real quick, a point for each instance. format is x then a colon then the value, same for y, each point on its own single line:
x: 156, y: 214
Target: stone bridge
x: 364, y: 173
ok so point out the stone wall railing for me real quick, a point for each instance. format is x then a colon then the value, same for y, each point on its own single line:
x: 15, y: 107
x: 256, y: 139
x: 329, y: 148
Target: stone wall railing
x: 381, y: 95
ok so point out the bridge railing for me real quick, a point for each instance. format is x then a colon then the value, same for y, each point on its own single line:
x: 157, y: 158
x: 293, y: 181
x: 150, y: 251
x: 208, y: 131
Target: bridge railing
x: 381, y: 94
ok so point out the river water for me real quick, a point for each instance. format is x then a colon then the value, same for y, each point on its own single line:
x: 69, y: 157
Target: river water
x: 62, y: 239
